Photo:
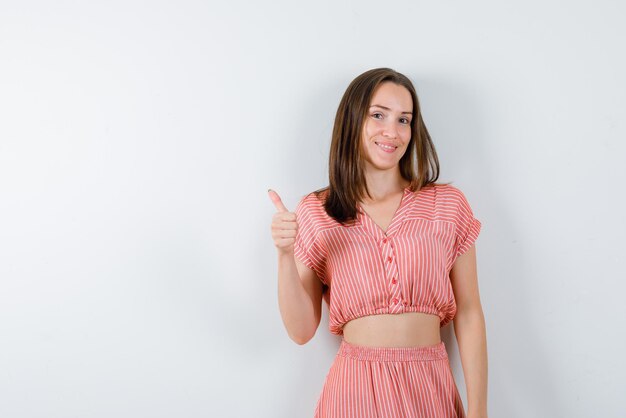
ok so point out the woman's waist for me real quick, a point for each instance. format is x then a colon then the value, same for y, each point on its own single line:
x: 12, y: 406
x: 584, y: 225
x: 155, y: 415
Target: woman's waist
x: 408, y: 329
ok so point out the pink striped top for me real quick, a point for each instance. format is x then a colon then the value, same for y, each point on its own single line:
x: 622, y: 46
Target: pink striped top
x: 368, y: 271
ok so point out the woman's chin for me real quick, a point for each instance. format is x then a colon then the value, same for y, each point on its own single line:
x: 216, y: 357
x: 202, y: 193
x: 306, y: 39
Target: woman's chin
x: 385, y: 166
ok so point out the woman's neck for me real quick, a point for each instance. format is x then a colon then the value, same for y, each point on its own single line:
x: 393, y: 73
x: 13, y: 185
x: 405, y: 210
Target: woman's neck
x: 382, y: 185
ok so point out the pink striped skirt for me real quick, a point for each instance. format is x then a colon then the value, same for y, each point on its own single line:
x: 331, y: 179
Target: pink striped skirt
x: 390, y: 382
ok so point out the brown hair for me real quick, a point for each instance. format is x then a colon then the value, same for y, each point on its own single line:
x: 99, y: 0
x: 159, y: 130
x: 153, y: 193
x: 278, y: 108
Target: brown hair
x: 347, y: 184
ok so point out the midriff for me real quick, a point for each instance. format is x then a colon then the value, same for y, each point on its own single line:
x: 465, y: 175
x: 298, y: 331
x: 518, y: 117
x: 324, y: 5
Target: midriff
x: 409, y: 329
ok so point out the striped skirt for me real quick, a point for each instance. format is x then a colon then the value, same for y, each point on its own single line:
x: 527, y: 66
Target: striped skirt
x: 390, y: 382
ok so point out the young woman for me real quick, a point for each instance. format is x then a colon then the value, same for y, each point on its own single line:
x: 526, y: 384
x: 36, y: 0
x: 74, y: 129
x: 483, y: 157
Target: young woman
x: 392, y: 253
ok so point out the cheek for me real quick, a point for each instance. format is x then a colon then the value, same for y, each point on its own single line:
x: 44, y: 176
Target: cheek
x: 406, y: 133
x: 370, y: 129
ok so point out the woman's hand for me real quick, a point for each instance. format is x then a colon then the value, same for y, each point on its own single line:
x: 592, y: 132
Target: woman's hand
x: 284, y: 225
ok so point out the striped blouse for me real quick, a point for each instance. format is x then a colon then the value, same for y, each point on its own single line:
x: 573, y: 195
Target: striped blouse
x: 368, y: 271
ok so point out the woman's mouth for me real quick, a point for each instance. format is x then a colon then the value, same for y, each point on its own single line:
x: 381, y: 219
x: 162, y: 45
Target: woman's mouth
x: 386, y: 147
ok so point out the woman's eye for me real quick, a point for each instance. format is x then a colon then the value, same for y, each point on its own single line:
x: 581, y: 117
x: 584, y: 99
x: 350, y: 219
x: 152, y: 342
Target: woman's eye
x: 405, y: 121
x: 377, y: 115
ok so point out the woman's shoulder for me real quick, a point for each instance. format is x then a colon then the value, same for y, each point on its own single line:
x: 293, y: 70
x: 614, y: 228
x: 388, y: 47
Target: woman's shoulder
x: 313, y: 202
x: 442, y: 198
x: 311, y: 213
x: 314, y: 198
x: 447, y: 190
x: 453, y: 198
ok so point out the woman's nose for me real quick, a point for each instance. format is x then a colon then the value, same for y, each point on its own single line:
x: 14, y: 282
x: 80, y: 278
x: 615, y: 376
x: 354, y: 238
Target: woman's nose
x: 390, y: 130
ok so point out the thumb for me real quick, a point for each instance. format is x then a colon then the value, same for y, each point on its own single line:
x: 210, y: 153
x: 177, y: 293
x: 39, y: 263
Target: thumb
x: 277, y: 202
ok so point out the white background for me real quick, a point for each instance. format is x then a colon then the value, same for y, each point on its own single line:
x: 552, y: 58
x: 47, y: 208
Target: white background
x: 137, y: 143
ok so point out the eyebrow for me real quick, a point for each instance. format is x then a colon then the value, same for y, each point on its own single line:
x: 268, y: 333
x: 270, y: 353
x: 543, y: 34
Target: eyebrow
x: 386, y: 108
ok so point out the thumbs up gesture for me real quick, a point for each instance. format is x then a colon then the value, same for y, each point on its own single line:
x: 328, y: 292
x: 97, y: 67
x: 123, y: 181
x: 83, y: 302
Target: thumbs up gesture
x: 284, y: 225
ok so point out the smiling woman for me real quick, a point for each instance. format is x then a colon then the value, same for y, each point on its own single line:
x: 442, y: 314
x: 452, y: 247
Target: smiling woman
x: 387, y: 129
x: 392, y: 252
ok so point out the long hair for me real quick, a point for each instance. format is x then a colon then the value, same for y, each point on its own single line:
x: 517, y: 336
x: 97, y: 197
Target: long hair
x: 347, y: 186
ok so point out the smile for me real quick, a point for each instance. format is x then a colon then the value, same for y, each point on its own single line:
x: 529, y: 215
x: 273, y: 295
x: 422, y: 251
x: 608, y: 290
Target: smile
x: 386, y: 148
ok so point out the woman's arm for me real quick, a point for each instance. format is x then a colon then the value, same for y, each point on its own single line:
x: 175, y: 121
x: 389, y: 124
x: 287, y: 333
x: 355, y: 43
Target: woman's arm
x: 299, y: 297
x: 299, y: 289
x: 469, y: 328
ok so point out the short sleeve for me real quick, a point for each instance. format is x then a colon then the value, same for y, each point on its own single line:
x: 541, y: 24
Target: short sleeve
x: 307, y: 247
x: 467, y: 226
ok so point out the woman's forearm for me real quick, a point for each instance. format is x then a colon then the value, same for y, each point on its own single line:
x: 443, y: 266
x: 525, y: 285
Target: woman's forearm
x: 295, y: 304
x: 469, y: 328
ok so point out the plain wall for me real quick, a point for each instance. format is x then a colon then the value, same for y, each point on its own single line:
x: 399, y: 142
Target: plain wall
x: 137, y: 143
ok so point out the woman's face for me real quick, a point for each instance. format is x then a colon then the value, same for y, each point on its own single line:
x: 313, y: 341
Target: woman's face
x: 387, y: 127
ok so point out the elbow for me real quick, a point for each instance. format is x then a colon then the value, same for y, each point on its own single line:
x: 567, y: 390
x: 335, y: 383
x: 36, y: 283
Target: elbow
x: 470, y: 317
x: 301, y: 338
x: 301, y: 332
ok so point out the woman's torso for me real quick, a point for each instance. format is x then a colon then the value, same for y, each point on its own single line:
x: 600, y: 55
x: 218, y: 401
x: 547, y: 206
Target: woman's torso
x: 386, y: 281
x: 407, y: 329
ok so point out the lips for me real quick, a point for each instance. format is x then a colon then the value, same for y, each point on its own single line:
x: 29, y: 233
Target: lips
x: 386, y: 146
